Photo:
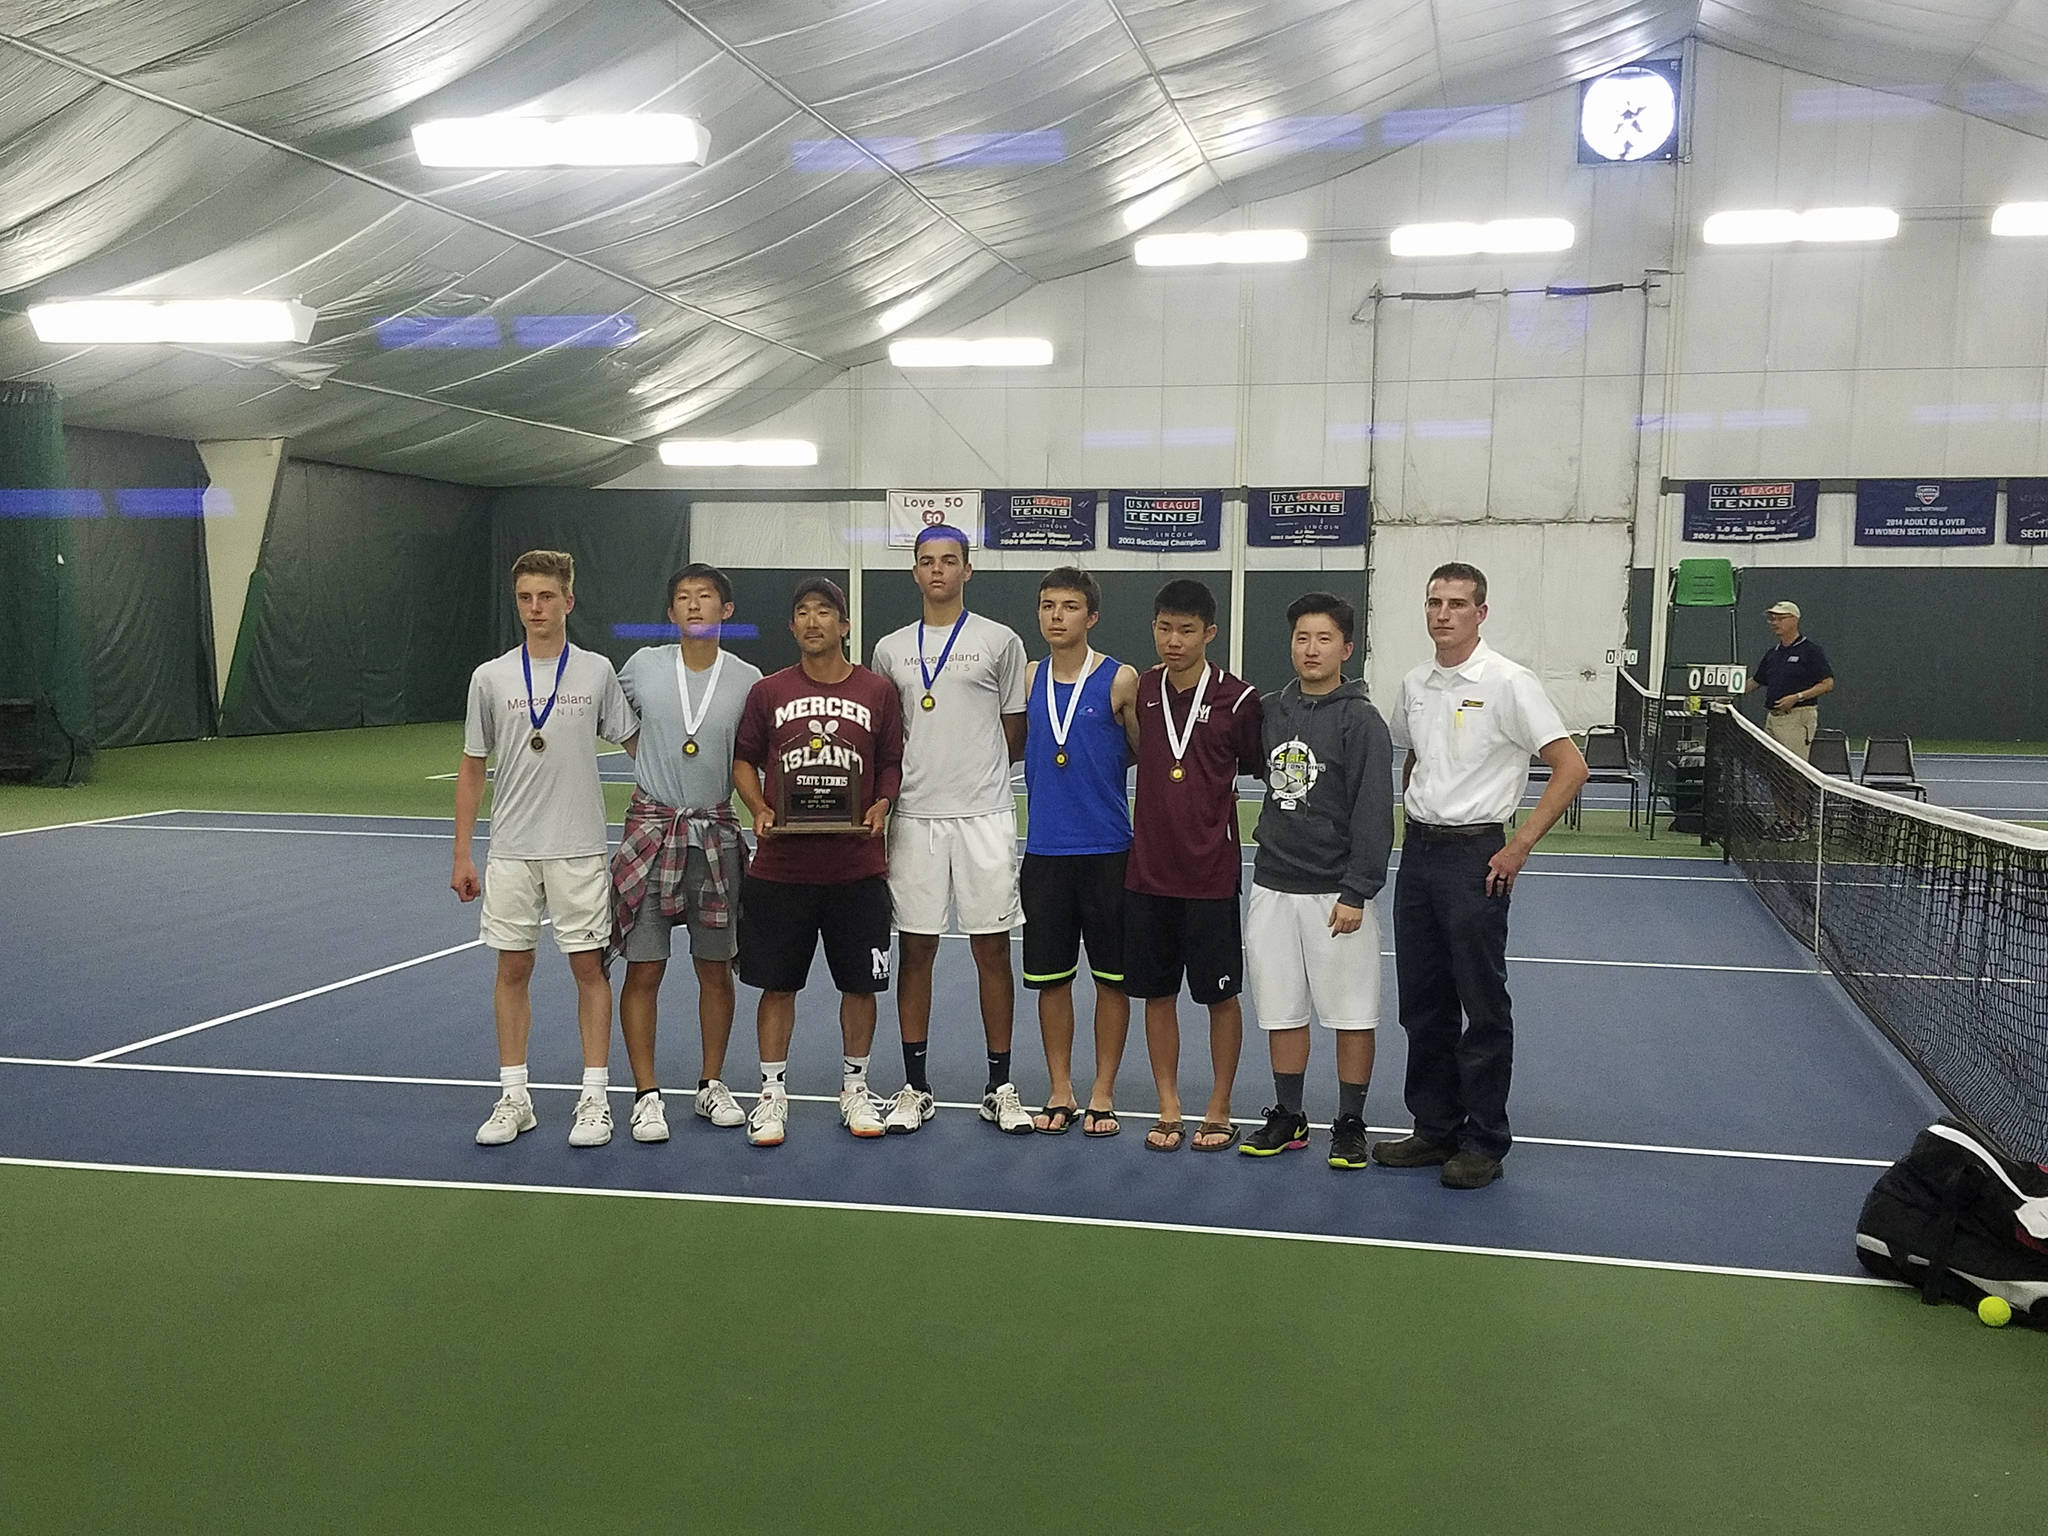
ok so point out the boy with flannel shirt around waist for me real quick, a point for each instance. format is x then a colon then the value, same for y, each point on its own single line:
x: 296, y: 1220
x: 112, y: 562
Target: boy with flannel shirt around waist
x: 541, y: 708
x: 682, y: 855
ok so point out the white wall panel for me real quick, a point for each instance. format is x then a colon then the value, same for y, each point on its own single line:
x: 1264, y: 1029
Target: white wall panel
x: 755, y: 535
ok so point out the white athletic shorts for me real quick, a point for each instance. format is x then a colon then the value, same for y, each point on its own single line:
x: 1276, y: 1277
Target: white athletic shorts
x: 1295, y: 964
x: 963, y: 864
x: 576, y: 893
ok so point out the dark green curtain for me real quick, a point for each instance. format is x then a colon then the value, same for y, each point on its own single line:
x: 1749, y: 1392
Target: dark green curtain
x: 145, y: 606
x: 371, y: 603
x: 626, y: 544
x: 46, y: 727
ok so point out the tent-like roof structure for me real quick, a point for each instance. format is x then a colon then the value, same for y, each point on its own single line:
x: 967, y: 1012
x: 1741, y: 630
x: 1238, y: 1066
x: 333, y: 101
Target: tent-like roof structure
x: 875, y: 165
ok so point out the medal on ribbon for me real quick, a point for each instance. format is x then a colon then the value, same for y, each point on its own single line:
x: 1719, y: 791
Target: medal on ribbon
x: 1177, y: 741
x: 931, y: 674
x: 693, y: 719
x: 1063, y: 725
x: 536, y: 741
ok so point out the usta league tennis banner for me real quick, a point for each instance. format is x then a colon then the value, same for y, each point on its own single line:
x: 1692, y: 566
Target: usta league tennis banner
x: 911, y: 512
x: 1749, y: 511
x: 1039, y: 519
x: 1170, y: 522
x: 1330, y: 515
x: 2026, y: 512
x: 1924, y: 513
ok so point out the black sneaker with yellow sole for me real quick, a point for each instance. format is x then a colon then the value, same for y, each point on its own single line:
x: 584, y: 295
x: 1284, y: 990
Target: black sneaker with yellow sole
x: 1347, y: 1143
x: 1285, y: 1130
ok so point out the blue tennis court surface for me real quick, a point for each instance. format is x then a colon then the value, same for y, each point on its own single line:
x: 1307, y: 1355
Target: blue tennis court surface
x: 303, y: 994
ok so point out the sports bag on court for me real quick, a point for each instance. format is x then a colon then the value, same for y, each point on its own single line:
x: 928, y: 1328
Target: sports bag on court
x: 1959, y: 1222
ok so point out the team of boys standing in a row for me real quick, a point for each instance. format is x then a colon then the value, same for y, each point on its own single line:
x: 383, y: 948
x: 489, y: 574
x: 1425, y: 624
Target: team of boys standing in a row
x: 1148, y: 887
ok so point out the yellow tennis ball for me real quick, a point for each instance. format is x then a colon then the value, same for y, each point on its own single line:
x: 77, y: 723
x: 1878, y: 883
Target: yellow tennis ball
x: 1993, y: 1312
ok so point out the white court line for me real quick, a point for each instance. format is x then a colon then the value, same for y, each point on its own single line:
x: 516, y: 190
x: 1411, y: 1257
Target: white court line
x: 296, y: 997
x: 682, y: 1094
x: 102, y: 821
x: 1182, y: 1229
x: 434, y: 837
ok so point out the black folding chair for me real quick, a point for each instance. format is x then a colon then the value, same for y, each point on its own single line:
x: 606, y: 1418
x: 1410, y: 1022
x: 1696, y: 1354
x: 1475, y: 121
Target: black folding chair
x: 1830, y: 754
x: 1607, y: 763
x: 1888, y: 765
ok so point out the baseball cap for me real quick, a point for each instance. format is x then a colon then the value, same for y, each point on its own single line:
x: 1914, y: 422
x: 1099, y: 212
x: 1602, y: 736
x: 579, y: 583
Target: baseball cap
x: 819, y: 586
x: 1790, y: 610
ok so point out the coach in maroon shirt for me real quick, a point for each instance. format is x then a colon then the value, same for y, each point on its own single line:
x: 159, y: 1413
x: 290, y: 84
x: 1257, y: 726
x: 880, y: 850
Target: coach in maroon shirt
x: 1198, y: 729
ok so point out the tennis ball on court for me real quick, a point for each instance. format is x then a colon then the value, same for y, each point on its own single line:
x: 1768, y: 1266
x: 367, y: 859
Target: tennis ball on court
x: 1993, y: 1312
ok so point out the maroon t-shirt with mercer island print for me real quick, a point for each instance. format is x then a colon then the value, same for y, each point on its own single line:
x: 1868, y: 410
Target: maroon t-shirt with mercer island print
x: 857, y: 723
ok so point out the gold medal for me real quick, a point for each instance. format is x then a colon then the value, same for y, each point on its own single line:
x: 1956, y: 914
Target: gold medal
x: 1178, y: 773
x: 1060, y: 758
x: 928, y: 702
x: 538, y: 742
x: 690, y: 748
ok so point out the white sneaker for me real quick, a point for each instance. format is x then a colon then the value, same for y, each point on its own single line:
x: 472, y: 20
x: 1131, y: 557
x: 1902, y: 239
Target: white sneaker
x: 650, y: 1119
x: 509, y: 1116
x: 715, y: 1103
x: 766, y: 1124
x: 859, y: 1112
x: 1006, y: 1112
x: 592, y: 1125
x: 909, y: 1110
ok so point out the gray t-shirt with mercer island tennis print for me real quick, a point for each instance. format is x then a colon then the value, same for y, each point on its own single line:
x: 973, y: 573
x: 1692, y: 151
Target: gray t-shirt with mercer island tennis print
x: 956, y: 760
x: 547, y: 804
x: 687, y: 781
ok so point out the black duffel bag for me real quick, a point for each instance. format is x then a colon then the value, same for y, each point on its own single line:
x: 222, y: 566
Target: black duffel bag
x: 1958, y: 1221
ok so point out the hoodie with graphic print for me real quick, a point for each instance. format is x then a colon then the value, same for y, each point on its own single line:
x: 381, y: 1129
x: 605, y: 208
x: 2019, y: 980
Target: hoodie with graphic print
x: 1328, y: 819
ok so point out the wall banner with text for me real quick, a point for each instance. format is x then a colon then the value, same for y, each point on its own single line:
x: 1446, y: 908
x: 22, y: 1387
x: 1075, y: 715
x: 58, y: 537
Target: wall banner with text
x: 2026, y: 512
x: 1039, y: 519
x: 1166, y: 522
x: 1920, y: 514
x: 1329, y: 515
x: 1749, y: 511
x: 911, y: 512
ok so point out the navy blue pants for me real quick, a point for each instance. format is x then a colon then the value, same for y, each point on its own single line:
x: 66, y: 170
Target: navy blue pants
x: 1451, y: 956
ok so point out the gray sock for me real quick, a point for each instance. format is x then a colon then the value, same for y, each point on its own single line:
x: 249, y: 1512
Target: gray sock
x: 1287, y: 1090
x: 1351, y: 1100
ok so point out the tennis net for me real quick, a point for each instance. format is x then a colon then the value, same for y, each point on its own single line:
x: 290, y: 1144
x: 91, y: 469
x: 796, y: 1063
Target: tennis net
x: 1934, y: 921
x: 1635, y: 714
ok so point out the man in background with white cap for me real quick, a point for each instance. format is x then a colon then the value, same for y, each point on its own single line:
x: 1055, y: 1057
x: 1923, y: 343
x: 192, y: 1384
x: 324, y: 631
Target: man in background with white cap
x: 1793, y: 673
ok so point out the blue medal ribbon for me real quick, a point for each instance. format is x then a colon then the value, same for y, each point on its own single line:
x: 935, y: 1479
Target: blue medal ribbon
x: 526, y: 666
x: 931, y: 674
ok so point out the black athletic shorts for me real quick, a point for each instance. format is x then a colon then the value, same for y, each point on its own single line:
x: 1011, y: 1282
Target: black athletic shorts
x: 1165, y: 936
x: 780, y: 924
x: 1068, y: 898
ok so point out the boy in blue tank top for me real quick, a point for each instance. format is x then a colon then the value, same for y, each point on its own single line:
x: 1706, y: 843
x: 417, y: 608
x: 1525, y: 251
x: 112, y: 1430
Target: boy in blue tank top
x: 1080, y: 721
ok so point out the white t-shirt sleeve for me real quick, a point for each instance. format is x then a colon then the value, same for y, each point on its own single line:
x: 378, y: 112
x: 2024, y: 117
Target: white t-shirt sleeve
x: 479, y: 725
x: 1536, y: 722
x: 1397, y: 718
x: 616, y: 720
x: 1010, y: 670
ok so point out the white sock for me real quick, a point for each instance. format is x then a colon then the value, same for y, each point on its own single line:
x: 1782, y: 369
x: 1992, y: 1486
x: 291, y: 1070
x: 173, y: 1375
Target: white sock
x: 595, y: 1081
x: 513, y: 1081
x: 771, y: 1076
x: 853, y: 1072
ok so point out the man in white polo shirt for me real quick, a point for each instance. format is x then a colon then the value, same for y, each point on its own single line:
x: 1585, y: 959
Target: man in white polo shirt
x: 1469, y: 720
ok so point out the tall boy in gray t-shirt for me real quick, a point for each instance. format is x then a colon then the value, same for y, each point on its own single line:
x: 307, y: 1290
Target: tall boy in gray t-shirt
x: 682, y: 857
x: 541, y: 708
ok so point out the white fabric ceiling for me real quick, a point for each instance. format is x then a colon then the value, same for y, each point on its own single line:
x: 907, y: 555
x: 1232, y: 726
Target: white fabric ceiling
x: 865, y: 153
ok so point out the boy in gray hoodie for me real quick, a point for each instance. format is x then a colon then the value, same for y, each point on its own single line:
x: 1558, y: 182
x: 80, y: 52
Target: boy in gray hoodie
x: 1312, y: 939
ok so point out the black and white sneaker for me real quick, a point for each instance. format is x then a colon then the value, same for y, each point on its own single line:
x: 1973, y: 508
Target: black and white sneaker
x: 1285, y: 1130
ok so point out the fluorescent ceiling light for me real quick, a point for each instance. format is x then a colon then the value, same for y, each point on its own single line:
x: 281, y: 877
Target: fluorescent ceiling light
x: 1782, y: 226
x: 1237, y: 245
x: 634, y: 138
x: 1496, y: 237
x: 198, y: 322
x: 963, y: 352
x: 2021, y: 219
x: 760, y: 452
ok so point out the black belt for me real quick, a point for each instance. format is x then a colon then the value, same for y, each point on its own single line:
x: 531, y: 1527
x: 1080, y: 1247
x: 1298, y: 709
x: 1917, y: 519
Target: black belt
x: 1430, y: 830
